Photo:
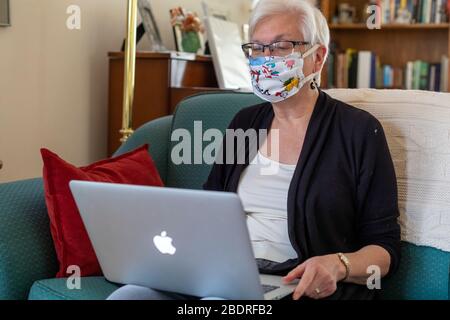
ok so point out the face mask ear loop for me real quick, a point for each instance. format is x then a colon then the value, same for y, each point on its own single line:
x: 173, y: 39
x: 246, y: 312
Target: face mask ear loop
x: 313, y: 84
x: 310, y: 51
x: 312, y: 80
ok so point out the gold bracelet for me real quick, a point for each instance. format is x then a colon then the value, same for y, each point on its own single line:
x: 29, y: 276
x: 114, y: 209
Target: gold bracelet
x: 346, y: 263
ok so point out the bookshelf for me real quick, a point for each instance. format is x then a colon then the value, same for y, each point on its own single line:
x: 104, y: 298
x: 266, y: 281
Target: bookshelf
x: 394, y: 44
x: 392, y: 26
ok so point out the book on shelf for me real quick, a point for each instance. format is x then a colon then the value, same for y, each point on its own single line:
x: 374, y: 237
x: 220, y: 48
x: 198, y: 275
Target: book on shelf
x: 413, y: 11
x: 363, y: 69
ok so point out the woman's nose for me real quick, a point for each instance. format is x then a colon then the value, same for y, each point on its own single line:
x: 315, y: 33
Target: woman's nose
x: 267, y: 52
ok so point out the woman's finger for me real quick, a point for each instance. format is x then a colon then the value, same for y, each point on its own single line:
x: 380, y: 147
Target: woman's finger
x: 295, y: 274
x: 305, y: 282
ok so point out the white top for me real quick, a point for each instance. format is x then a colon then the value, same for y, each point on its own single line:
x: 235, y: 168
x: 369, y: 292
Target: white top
x: 264, y: 198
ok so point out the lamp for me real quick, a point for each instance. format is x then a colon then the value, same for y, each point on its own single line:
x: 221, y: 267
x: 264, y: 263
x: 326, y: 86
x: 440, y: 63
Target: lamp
x: 129, y: 72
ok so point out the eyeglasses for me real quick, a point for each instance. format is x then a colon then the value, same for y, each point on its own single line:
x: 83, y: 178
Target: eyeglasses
x: 278, y: 48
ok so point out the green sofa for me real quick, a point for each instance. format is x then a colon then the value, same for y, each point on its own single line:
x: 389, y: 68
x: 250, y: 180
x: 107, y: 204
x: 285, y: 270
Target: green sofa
x: 27, y: 258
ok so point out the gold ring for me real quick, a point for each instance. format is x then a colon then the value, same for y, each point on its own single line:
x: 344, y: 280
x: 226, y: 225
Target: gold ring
x: 317, y: 291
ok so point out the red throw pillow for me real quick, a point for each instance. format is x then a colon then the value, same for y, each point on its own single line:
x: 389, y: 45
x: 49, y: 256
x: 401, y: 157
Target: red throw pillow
x: 70, y: 237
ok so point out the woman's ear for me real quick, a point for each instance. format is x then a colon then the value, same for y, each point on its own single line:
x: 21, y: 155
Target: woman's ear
x: 320, y: 55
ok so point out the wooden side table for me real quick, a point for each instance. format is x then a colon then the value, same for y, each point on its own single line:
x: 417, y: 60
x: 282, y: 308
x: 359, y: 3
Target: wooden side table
x: 162, y: 81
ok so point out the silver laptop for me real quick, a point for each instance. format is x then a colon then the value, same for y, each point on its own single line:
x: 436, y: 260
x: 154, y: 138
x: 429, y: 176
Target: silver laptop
x: 183, y: 241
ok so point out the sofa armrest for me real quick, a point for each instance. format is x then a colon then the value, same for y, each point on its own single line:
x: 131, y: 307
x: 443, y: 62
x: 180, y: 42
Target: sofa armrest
x: 27, y: 253
x: 157, y: 134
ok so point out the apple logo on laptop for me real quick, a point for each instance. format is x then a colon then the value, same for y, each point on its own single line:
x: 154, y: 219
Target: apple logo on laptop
x: 164, y: 244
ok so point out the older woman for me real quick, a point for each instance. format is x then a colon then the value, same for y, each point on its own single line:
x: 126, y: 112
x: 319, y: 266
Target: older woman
x: 330, y: 210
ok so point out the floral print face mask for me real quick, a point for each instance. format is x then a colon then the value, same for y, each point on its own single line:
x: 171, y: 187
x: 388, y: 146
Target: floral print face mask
x: 276, y: 79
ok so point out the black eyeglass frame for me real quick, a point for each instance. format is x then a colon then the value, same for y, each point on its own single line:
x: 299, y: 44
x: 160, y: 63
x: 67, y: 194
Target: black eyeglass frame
x: 270, y: 46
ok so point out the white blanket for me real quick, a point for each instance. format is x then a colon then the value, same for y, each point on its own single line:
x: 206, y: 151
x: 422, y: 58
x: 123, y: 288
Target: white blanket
x: 417, y: 127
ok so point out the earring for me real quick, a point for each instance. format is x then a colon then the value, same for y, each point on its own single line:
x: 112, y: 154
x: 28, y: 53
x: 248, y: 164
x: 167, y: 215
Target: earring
x: 314, y: 84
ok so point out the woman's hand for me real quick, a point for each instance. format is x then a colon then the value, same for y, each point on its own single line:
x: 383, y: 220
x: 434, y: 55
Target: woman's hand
x: 319, y: 277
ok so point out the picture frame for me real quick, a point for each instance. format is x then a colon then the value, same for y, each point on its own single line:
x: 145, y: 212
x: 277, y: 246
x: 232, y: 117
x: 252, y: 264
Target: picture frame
x: 5, y: 15
x: 181, y: 43
x: 150, y: 26
x: 178, y: 36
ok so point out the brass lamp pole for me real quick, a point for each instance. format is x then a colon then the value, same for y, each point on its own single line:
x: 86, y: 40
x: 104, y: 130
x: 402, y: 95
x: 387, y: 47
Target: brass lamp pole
x: 129, y: 72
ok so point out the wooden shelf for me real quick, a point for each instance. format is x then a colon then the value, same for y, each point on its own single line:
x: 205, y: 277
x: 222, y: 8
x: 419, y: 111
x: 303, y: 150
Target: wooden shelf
x: 416, y: 26
x: 163, y: 79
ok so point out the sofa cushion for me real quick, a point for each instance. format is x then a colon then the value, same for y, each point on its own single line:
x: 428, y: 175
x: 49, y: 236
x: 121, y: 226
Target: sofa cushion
x: 214, y: 110
x: 423, y: 274
x: 73, y: 246
x: 92, y: 288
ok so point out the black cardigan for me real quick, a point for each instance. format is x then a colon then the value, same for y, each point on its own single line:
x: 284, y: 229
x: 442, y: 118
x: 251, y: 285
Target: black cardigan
x: 343, y: 195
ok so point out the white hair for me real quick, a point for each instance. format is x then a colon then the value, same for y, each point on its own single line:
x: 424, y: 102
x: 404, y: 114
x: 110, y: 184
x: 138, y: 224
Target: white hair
x: 312, y: 23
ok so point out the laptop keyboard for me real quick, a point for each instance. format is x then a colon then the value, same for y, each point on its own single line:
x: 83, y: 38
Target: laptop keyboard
x: 267, y: 288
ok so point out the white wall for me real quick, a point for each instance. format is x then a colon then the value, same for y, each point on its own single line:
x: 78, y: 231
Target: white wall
x: 54, y: 82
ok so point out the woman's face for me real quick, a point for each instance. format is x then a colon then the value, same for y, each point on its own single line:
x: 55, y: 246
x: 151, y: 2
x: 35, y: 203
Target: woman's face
x: 286, y: 27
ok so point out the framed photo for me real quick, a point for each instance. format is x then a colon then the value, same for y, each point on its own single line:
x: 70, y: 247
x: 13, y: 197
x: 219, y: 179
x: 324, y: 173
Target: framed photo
x: 178, y: 36
x: 150, y: 26
x: 187, y: 31
x: 177, y: 33
x: 5, y: 20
